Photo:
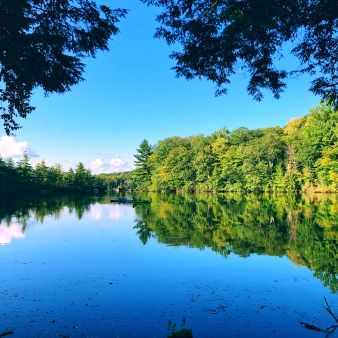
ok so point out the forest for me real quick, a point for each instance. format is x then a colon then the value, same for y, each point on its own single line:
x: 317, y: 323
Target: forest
x: 22, y: 177
x: 302, y: 156
x: 118, y: 181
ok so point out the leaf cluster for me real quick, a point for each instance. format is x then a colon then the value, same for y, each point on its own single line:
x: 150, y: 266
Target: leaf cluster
x: 43, y: 43
x: 221, y: 37
x: 301, y: 156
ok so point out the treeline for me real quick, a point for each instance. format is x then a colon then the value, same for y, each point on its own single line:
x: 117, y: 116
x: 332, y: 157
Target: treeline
x: 121, y: 181
x: 22, y: 177
x: 302, y: 156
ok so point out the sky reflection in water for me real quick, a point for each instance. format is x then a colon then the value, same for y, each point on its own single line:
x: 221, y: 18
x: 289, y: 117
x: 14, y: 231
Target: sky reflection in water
x: 228, y: 266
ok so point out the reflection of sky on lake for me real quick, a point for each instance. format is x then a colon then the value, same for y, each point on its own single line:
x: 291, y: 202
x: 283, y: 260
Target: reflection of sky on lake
x: 112, y: 212
x: 103, y: 214
x: 8, y: 232
x: 74, y: 277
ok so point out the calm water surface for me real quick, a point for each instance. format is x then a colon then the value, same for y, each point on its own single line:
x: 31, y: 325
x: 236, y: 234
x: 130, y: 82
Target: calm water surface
x: 220, y: 265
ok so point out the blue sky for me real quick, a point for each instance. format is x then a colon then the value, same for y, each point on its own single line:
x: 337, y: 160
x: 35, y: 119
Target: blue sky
x: 131, y: 94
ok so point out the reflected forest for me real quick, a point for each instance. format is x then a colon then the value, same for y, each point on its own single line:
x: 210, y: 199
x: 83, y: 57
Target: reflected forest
x: 301, y: 227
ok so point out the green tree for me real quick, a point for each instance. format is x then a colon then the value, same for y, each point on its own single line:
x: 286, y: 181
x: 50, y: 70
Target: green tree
x: 3, y: 175
x: 41, y: 174
x: 11, y: 175
x: 70, y: 179
x: 143, y: 170
x: 43, y: 43
x: 82, y: 177
x: 25, y: 172
x: 56, y: 176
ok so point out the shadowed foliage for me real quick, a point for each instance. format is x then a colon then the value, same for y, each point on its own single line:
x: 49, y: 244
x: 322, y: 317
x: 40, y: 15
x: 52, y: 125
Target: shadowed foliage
x: 223, y: 37
x: 43, y: 44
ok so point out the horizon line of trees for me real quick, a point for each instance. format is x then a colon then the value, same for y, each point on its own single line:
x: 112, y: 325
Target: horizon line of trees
x: 302, y: 156
x: 118, y: 180
x: 22, y: 177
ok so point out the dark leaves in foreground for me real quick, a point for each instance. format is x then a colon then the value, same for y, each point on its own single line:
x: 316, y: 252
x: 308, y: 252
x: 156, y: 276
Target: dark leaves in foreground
x: 222, y: 37
x: 42, y: 44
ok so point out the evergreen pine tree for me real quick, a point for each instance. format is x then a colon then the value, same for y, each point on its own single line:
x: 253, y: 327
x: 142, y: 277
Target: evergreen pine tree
x: 142, y: 172
x: 24, y: 169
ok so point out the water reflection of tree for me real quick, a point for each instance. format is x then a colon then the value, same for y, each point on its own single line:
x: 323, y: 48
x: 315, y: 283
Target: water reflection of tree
x: 329, y: 330
x: 143, y: 231
x: 23, y: 208
x: 304, y: 228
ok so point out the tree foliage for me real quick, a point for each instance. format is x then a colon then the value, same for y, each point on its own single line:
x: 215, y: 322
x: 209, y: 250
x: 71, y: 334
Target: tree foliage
x: 21, y: 177
x: 43, y: 43
x: 222, y: 37
x: 301, y: 156
x: 142, y: 172
x: 119, y: 181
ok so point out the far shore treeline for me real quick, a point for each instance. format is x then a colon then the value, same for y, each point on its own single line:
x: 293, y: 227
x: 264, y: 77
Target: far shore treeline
x: 22, y: 177
x: 302, y: 156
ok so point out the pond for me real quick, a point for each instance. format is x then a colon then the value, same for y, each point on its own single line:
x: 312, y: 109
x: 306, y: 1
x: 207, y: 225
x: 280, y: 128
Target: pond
x: 214, y: 265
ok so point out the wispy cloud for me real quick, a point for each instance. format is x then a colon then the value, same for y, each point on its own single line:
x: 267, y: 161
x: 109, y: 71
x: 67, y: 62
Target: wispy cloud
x: 10, y: 148
x: 109, y: 165
x: 105, y: 153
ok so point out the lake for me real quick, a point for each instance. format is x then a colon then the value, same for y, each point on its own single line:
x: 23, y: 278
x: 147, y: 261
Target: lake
x: 220, y: 265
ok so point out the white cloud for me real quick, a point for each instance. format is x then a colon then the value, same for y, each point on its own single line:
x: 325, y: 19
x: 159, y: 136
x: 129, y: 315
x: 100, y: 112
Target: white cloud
x: 8, y: 233
x: 10, y: 148
x: 113, y: 212
x: 115, y: 164
x: 97, y: 165
x: 110, y: 214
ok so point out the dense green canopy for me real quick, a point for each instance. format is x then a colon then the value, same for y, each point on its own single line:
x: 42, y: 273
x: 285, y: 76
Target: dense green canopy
x: 301, y: 156
x: 21, y: 177
x: 222, y: 37
x: 43, y: 43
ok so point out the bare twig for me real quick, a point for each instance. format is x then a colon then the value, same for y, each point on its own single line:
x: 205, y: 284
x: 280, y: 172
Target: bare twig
x: 331, y: 329
x: 328, y: 309
x: 312, y: 327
